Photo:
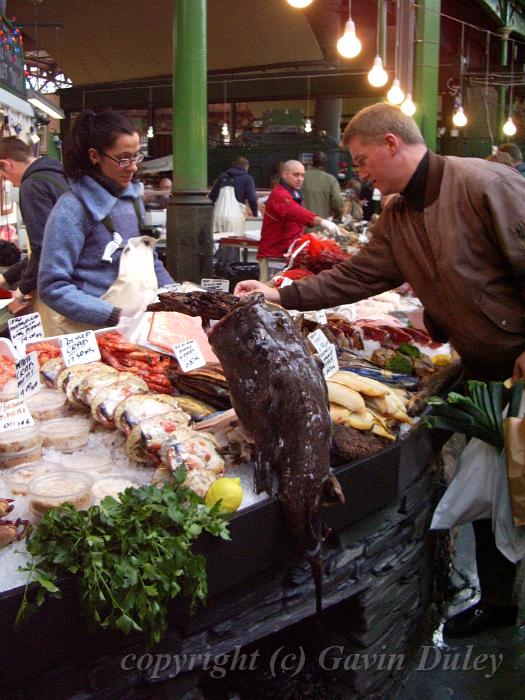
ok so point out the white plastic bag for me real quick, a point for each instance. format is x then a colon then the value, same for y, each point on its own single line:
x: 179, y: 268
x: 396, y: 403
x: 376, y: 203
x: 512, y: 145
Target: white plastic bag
x: 228, y: 213
x: 471, y: 492
x: 510, y: 540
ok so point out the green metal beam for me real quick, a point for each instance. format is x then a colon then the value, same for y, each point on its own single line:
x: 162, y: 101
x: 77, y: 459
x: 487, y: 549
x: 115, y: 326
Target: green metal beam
x: 501, y: 10
x: 426, y: 68
x: 246, y: 89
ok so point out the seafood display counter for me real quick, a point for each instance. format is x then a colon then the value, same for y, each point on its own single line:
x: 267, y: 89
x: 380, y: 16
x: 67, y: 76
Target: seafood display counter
x: 58, y: 634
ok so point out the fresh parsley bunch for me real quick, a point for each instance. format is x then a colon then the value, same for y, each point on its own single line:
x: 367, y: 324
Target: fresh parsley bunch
x: 130, y: 556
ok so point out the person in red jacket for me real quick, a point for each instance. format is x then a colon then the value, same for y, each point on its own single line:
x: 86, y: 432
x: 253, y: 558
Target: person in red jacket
x: 285, y: 217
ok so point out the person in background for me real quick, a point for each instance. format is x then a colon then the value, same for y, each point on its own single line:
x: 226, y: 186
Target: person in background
x: 83, y: 275
x: 41, y: 182
x: 242, y: 183
x: 453, y: 231
x: 321, y: 191
x: 515, y: 153
x: 285, y: 217
x: 166, y: 187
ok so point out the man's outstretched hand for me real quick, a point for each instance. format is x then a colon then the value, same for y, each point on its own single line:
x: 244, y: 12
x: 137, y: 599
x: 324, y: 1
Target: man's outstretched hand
x: 247, y: 287
x: 519, y: 367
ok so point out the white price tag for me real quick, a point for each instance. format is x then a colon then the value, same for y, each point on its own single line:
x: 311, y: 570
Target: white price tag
x: 286, y: 282
x: 28, y: 375
x: 189, y: 355
x: 326, y: 351
x: 79, y: 348
x: 175, y: 287
x: 14, y: 415
x: 212, y: 285
x: 320, y: 317
x: 22, y: 329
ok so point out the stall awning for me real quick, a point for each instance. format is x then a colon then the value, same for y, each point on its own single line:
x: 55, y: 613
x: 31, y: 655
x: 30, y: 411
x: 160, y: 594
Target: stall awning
x: 7, y: 98
x: 157, y: 165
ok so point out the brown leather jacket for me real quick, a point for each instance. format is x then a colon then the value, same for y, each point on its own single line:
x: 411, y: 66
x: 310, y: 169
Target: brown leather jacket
x: 464, y: 256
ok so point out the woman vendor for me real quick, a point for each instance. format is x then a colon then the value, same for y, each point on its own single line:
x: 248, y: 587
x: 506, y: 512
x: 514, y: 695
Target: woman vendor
x: 98, y: 258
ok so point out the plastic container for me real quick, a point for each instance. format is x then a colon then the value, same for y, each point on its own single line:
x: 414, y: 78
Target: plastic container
x: 111, y: 485
x: 19, y: 440
x: 19, y: 478
x: 57, y: 488
x: 47, y: 404
x: 9, y: 391
x: 93, y: 461
x: 65, y: 434
x: 13, y: 459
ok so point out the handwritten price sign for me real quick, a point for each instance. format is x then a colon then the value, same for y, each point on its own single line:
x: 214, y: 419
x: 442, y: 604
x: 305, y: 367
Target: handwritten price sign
x: 22, y: 329
x: 213, y: 285
x: 14, y: 415
x: 189, y: 355
x: 326, y: 351
x: 79, y: 348
x: 28, y: 375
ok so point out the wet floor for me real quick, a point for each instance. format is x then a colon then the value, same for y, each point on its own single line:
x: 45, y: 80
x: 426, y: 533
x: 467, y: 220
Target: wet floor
x: 488, y: 666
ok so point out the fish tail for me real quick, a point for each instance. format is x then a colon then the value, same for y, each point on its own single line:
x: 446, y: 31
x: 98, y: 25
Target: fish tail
x: 316, y: 562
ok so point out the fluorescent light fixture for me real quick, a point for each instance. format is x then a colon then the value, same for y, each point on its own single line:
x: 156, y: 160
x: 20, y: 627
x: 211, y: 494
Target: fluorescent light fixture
x: 40, y: 102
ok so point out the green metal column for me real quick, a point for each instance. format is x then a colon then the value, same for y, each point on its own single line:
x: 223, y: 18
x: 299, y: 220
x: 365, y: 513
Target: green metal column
x: 427, y: 68
x: 190, y: 104
x: 189, y: 219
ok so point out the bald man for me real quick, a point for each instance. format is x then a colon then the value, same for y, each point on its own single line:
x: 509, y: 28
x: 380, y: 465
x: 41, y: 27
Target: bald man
x: 285, y: 217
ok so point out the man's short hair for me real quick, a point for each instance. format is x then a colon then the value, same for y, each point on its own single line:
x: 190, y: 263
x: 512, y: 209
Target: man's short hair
x: 372, y: 123
x: 513, y: 150
x: 13, y: 148
x: 241, y: 162
x: 320, y: 160
x: 501, y: 157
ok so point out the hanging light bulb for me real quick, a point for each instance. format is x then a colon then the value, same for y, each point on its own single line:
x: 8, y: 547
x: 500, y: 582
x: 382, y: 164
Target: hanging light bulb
x: 408, y: 106
x: 349, y: 45
x: 377, y: 76
x: 395, y: 95
x: 225, y: 133
x: 459, y: 118
x: 308, y: 126
x: 150, y: 133
x: 509, y: 128
x: 299, y: 4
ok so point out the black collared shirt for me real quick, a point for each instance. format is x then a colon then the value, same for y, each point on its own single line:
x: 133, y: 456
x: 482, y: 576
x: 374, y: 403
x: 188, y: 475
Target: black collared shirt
x: 414, y: 192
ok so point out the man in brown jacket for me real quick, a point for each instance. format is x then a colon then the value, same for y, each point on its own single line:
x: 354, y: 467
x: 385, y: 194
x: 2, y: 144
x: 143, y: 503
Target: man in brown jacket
x: 455, y: 232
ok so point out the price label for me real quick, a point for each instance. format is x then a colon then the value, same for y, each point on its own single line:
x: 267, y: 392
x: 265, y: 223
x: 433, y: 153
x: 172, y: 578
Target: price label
x: 175, y: 287
x: 79, y: 348
x: 22, y: 329
x: 212, y: 285
x: 286, y: 282
x: 14, y: 415
x: 326, y: 351
x: 320, y: 317
x: 189, y: 355
x: 28, y: 375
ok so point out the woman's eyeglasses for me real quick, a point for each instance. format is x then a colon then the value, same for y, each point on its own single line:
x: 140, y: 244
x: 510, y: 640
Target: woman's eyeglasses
x: 126, y: 162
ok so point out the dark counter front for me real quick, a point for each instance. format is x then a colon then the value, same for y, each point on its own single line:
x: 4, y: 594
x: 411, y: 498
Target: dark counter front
x: 57, y: 634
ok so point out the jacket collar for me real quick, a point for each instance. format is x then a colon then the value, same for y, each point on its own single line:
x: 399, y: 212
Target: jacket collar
x: 297, y: 196
x: 97, y: 199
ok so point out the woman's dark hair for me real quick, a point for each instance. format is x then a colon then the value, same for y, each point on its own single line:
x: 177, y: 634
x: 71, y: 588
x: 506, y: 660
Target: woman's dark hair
x: 93, y: 130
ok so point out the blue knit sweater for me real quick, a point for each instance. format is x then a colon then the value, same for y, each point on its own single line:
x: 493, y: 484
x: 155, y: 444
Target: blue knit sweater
x: 71, y: 276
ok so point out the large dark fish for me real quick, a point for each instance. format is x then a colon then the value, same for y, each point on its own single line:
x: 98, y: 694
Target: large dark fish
x: 278, y: 392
